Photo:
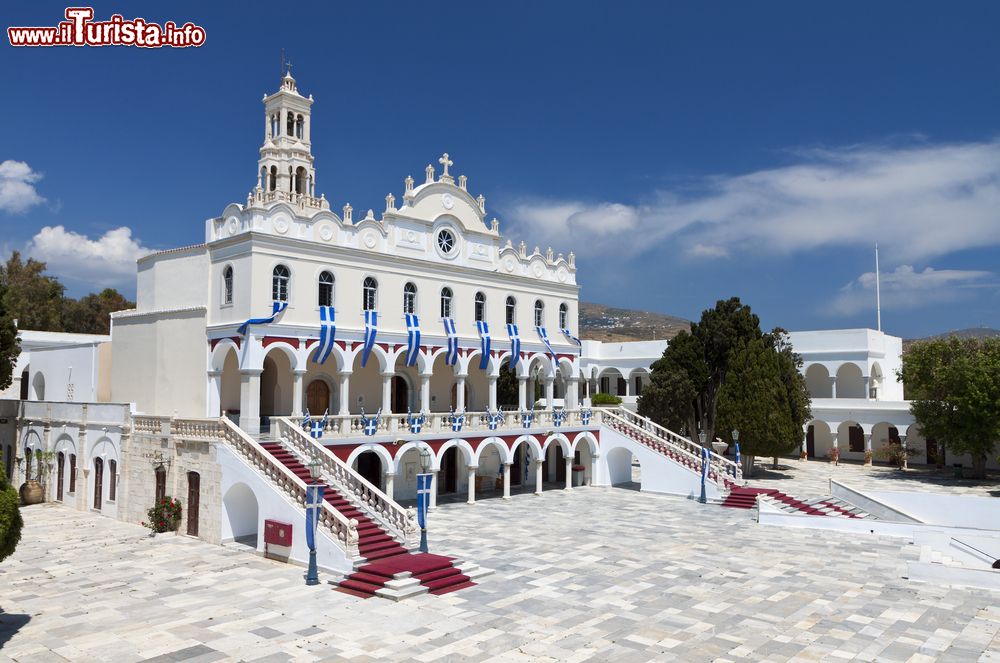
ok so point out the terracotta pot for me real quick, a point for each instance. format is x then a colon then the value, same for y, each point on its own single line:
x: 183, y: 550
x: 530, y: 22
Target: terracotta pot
x: 31, y: 492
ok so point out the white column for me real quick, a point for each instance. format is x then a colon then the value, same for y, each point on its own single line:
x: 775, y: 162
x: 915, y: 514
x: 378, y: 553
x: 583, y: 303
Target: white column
x: 628, y: 386
x: 387, y: 393
x: 506, y: 481
x: 345, y: 393
x: 538, y: 476
x: 906, y: 458
x: 569, y: 471
x: 250, y: 401
x: 572, y: 392
x: 389, y: 484
x: 549, y: 393
x: 298, y: 378
x: 425, y: 393
x: 460, y: 393
x: 493, y: 392
x: 833, y: 386
x: 522, y: 393
x: 834, y: 441
x: 472, y: 484
x: 434, y: 490
x: 214, y: 408
x: 868, y: 448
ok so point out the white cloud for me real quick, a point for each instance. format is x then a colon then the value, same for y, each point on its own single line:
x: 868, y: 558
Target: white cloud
x: 17, y: 187
x: 106, y: 261
x: 919, y: 201
x: 906, y: 288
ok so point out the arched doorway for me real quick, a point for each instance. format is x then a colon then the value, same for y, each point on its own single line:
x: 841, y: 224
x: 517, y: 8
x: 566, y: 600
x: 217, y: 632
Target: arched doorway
x: 240, y: 517
x: 275, y: 386
x: 24, y: 384
x: 850, y: 382
x: 448, y: 476
x: 369, y: 465
x: 98, y: 482
x: 318, y: 397
x: 400, y: 394
x: 517, y: 466
x: 818, y: 381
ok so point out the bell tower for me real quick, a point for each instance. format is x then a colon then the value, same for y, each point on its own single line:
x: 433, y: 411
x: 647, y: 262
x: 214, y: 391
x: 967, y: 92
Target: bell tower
x: 285, y: 170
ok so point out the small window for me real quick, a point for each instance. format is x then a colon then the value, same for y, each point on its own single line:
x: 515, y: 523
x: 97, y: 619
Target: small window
x: 563, y: 316
x: 446, y: 241
x: 161, y: 483
x: 511, y: 309
x: 539, y: 313
x: 326, y: 289
x: 446, y: 297
x: 480, y: 307
x: 409, y: 298
x: 113, y: 479
x: 368, y: 294
x: 279, y: 284
x: 98, y: 481
x: 227, y: 285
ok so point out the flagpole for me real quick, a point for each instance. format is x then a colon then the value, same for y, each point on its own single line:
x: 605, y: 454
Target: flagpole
x: 878, y: 294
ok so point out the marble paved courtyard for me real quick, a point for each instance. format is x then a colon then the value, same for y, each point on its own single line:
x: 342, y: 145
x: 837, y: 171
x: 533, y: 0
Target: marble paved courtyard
x: 592, y: 574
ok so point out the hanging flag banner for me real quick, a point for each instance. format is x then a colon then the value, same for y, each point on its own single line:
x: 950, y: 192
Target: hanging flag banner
x: 494, y: 420
x: 317, y: 427
x: 276, y: 309
x: 412, y: 338
x: 457, y: 421
x: 369, y: 425
x: 544, y: 335
x: 371, y: 330
x: 451, y: 358
x: 574, y: 339
x: 704, y: 465
x: 415, y: 423
x: 515, y: 346
x: 737, y: 458
x: 327, y: 330
x: 423, y: 498
x: 484, y: 344
x: 557, y: 417
x: 314, y: 501
x: 585, y: 416
x: 526, y: 419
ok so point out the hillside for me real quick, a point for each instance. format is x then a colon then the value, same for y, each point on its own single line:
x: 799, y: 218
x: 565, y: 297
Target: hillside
x: 971, y: 332
x: 605, y: 323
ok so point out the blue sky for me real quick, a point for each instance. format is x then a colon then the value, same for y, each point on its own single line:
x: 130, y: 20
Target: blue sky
x: 686, y: 151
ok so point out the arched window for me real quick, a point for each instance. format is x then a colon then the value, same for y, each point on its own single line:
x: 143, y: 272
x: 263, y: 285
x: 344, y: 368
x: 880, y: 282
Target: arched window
x: 272, y: 182
x: 446, y: 297
x: 511, y: 309
x: 279, y: 284
x: 161, y: 483
x: 300, y: 180
x: 480, y: 307
x: 539, y: 313
x: 326, y: 289
x: 409, y: 298
x: 368, y: 294
x: 227, y: 285
x: 113, y: 479
x: 299, y: 122
x: 563, y: 316
x: 290, y: 124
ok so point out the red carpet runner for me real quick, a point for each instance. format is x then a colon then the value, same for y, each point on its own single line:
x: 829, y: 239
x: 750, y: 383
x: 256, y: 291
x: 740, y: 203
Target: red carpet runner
x: 384, y: 554
x: 746, y: 498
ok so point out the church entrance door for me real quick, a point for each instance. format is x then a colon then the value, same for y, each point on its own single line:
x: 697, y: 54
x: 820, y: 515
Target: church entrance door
x: 194, y: 494
x: 318, y: 397
x: 370, y: 467
x: 400, y: 395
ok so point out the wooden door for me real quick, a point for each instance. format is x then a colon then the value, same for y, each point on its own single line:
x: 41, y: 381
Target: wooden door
x: 60, y: 464
x: 98, y: 482
x: 318, y: 397
x: 193, y: 502
x: 811, y: 442
x: 400, y: 395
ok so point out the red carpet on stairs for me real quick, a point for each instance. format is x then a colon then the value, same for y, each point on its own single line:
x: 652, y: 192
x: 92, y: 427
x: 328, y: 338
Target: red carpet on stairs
x: 384, y: 554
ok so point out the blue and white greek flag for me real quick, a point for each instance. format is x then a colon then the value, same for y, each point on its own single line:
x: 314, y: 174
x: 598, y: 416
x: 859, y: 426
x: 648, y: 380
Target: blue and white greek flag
x: 276, y: 309
x: 526, y: 419
x: 572, y: 338
x: 494, y: 420
x: 451, y: 357
x: 704, y: 464
x: 557, y: 417
x: 371, y: 330
x: 737, y: 457
x: 457, y: 421
x: 515, y: 346
x: 544, y: 335
x: 412, y: 338
x: 314, y: 502
x: 369, y: 425
x: 423, y: 498
x: 316, y: 428
x: 484, y: 344
x: 415, y: 423
x: 327, y: 330
x: 307, y: 422
x: 527, y: 462
x: 585, y: 416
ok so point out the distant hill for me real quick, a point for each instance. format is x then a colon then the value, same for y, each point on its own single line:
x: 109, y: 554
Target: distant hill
x: 971, y: 332
x: 606, y: 323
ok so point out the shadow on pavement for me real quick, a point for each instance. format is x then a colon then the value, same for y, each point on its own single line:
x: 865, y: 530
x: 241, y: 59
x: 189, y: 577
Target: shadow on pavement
x: 11, y: 623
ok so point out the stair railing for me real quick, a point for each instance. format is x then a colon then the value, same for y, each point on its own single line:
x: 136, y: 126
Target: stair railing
x: 720, y: 467
x: 342, y: 529
x: 386, y: 511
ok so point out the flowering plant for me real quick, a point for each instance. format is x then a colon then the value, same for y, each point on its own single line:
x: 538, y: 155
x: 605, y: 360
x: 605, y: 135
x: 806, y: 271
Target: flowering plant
x: 165, y: 515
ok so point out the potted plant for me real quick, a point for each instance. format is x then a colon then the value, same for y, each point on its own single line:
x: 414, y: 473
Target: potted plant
x: 835, y: 455
x: 896, y: 454
x: 33, y: 489
x: 164, y: 516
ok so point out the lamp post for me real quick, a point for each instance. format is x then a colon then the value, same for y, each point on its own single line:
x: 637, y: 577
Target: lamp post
x: 736, y: 443
x: 704, y: 466
x: 424, y: 482
x: 314, y: 497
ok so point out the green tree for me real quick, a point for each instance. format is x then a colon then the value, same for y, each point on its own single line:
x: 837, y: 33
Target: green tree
x: 755, y: 400
x: 10, y: 345
x: 32, y: 298
x: 799, y: 402
x: 954, y: 386
x: 507, y: 395
x: 91, y: 314
x: 686, y: 382
x: 11, y: 522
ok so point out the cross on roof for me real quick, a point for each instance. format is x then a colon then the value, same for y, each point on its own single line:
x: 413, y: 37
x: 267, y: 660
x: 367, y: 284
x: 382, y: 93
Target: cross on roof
x: 445, y: 161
